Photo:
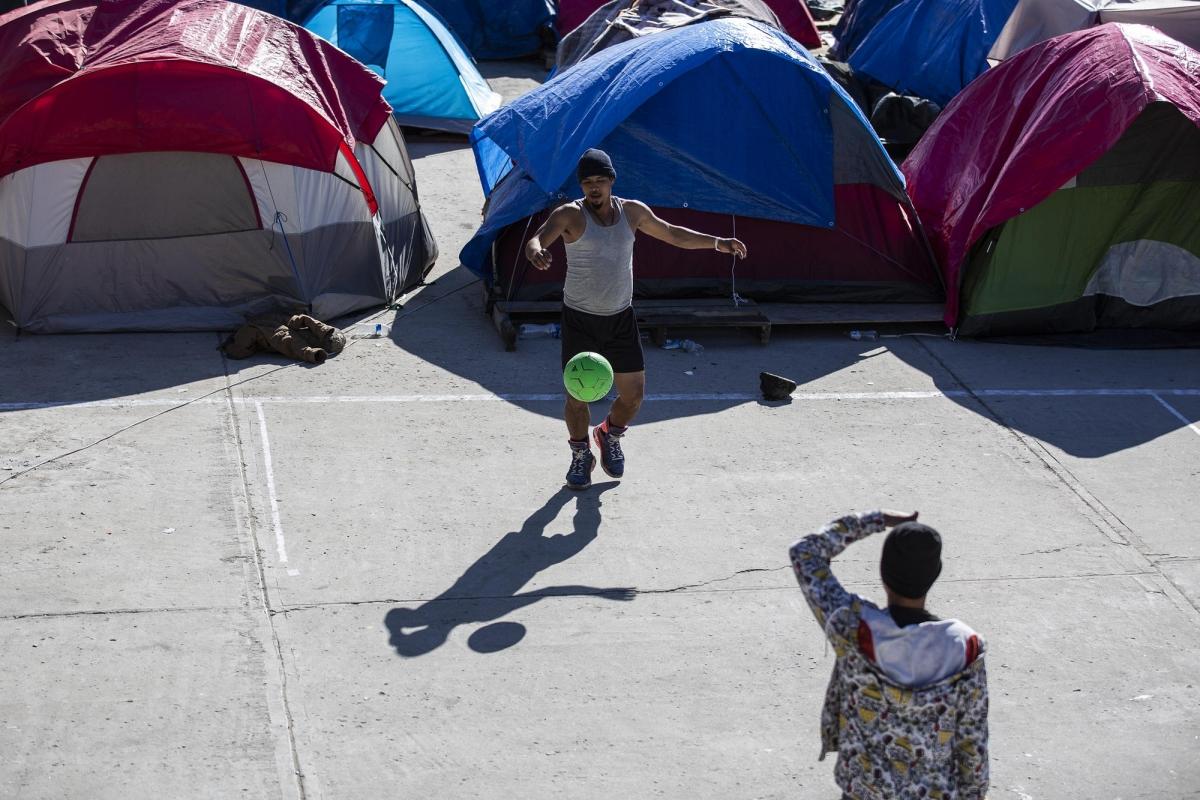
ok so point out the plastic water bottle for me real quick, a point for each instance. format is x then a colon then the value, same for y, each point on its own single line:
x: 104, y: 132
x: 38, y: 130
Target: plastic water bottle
x: 368, y: 331
x: 869, y: 336
x: 686, y: 345
x: 550, y: 329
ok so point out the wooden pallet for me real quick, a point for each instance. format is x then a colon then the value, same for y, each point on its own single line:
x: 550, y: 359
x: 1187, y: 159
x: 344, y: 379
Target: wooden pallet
x: 660, y: 316
x: 852, y: 313
x: 655, y: 316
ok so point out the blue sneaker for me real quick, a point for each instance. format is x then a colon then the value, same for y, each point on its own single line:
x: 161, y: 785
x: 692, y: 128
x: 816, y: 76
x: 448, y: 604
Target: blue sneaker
x: 579, y: 476
x: 611, y: 457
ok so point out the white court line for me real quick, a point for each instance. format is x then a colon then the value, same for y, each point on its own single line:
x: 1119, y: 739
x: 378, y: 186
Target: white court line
x: 681, y: 397
x: 1195, y: 428
x: 271, y: 496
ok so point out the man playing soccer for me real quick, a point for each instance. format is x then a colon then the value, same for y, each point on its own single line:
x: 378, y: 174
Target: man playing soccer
x: 598, y: 232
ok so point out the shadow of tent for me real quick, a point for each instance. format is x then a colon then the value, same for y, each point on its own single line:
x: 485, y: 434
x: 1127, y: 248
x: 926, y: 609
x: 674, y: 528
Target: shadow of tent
x: 74, y: 368
x: 457, y: 336
x: 1088, y: 403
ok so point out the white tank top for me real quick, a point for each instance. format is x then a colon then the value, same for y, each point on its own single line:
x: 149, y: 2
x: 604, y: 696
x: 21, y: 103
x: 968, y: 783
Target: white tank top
x: 600, y: 265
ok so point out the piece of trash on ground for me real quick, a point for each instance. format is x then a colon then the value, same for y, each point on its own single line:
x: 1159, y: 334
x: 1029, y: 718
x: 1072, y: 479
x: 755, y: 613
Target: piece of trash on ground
x: 550, y: 330
x: 686, y: 345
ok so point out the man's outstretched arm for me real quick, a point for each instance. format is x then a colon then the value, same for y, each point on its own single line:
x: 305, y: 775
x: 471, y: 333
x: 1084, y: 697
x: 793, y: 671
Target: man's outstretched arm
x: 537, y: 249
x: 811, y: 556
x: 644, y: 219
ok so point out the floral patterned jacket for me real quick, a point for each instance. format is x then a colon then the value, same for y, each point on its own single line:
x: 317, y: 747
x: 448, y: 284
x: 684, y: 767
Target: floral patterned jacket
x: 893, y: 742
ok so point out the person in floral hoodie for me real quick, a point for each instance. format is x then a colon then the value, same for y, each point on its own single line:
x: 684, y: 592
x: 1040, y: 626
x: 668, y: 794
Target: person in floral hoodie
x: 907, y: 704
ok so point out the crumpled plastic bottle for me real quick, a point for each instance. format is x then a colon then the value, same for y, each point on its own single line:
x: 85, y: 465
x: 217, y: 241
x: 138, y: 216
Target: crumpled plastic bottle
x: 686, y: 345
x: 550, y: 329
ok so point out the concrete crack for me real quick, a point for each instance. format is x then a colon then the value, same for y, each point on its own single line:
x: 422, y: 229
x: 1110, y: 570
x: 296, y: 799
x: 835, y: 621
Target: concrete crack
x: 545, y: 593
x: 703, y: 584
x: 102, y: 612
x: 1052, y: 550
x: 275, y: 652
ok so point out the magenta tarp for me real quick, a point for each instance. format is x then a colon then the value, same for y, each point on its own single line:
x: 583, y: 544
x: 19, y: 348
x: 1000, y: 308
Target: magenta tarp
x: 91, y: 77
x: 572, y: 13
x: 1020, y: 131
x: 797, y: 21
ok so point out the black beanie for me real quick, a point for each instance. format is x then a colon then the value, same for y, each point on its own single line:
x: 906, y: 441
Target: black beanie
x: 595, y: 162
x: 912, y: 559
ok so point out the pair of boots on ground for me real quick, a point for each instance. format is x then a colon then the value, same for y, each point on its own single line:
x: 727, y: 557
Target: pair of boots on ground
x: 583, y: 462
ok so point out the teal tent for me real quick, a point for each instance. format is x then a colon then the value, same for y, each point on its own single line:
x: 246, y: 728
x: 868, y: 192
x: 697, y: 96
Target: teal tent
x: 431, y: 80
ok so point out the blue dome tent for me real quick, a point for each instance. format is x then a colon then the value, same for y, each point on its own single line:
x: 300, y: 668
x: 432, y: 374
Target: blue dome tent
x: 729, y: 126
x: 431, y: 80
x: 932, y: 48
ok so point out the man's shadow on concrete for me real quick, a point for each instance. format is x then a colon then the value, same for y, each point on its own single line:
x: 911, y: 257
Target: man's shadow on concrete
x: 489, y: 588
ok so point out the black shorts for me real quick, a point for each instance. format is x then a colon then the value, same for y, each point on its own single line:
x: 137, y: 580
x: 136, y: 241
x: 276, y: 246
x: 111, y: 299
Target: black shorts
x: 615, y: 337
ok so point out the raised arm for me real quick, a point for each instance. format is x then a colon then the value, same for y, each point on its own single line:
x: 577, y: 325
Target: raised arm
x: 562, y: 220
x: 811, y: 556
x: 644, y: 219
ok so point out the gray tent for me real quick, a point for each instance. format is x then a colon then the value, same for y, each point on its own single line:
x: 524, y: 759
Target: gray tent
x: 621, y: 20
x: 1035, y: 21
x: 196, y: 241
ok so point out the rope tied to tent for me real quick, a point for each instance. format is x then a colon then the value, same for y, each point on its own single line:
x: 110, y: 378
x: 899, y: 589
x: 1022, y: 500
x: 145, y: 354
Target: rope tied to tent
x: 281, y: 218
x: 737, y: 298
x: 516, y: 280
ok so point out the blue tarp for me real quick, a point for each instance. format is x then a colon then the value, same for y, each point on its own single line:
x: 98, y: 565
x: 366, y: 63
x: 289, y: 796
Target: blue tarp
x: 859, y: 18
x: 729, y: 116
x: 932, y: 48
x: 431, y: 81
x: 499, y: 28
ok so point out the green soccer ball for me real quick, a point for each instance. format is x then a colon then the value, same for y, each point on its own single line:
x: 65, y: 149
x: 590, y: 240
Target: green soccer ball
x: 588, y: 377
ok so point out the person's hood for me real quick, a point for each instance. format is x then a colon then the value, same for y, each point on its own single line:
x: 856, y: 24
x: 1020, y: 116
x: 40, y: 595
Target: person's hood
x: 921, y: 654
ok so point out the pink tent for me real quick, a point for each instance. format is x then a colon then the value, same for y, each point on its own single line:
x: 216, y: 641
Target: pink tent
x: 793, y: 16
x: 1022, y: 130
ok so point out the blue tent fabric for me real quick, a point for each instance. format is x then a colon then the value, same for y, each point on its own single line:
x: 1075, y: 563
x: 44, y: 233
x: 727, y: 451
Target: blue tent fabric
x: 728, y: 116
x: 859, y: 18
x: 431, y: 80
x: 365, y: 32
x: 500, y: 28
x: 932, y: 48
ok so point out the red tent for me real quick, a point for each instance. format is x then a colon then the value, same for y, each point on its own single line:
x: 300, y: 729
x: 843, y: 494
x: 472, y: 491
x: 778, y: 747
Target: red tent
x: 1023, y: 129
x: 180, y: 57
x: 182, y: 164
x: 793, y: 16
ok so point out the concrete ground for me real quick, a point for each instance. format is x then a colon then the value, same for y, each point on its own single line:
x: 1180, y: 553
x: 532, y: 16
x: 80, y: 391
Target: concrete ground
x: 363, y: 580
